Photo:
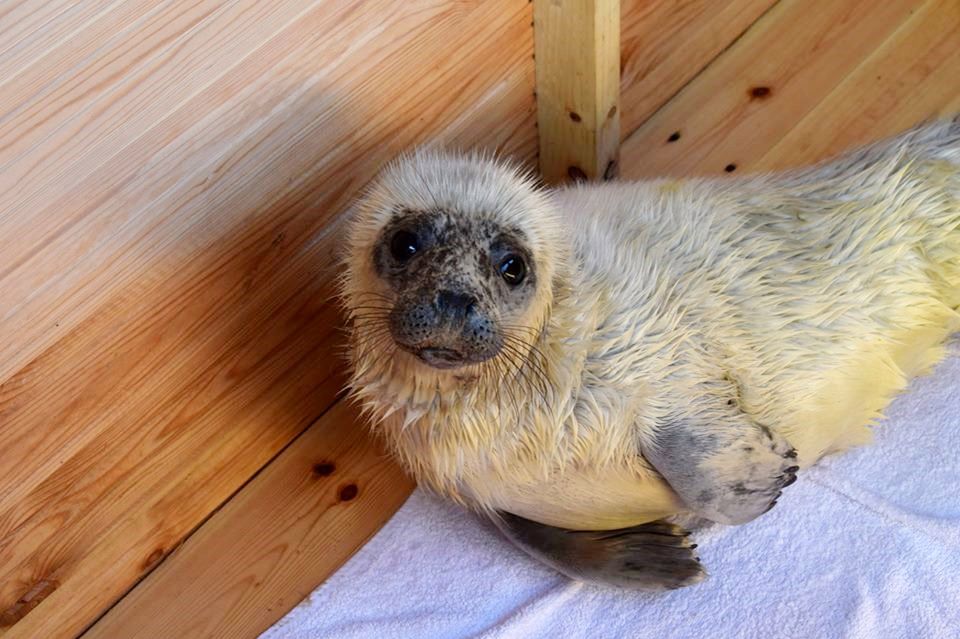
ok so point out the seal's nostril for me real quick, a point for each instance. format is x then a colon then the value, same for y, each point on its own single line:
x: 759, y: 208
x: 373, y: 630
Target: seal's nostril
x: 458, y: 303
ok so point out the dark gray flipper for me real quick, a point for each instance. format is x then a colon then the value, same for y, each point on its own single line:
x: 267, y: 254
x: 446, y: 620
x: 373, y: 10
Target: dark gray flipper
x: 655, y: 556
x: 729, y: 471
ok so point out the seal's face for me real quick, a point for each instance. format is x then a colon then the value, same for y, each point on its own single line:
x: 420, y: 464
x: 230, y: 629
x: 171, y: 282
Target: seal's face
x: 450, y: 264
x: 457, y: 282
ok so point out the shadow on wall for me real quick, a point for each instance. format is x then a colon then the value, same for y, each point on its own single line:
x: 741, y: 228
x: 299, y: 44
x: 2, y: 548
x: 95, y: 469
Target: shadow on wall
x: 216, y: 341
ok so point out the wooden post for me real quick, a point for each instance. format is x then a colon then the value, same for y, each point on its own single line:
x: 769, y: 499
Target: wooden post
x: 577, y: 48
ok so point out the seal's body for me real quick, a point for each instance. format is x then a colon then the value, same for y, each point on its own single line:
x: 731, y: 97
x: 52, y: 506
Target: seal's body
x: 669, y: 347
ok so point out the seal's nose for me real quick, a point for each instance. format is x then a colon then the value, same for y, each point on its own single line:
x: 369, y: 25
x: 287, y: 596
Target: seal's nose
x: 455, y: 304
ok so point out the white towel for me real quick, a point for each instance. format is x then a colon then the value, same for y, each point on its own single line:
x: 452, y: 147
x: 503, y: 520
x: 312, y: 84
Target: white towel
x: 865, y: 544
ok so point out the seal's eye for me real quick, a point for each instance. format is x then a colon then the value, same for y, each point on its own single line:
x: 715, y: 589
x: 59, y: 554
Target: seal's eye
x: 513, y: 269
x: 404, y: 245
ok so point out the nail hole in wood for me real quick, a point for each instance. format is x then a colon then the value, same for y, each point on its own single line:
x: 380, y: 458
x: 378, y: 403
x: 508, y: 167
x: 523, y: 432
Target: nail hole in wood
x: 324, y: 468
x: 730, y: 168
x: 575, y: 116
x: 612, y: 112
x: 674, y: 136
x: 760, y: 93
x: 348, y: 492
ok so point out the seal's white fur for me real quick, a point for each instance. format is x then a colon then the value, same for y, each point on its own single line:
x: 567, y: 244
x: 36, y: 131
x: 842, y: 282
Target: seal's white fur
x: 806, y: 298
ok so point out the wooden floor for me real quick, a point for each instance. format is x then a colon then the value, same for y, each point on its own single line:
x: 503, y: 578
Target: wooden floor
x: 173, y: 458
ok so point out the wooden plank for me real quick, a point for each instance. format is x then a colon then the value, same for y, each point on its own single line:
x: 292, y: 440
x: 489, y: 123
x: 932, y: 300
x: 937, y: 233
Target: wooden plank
x: 165, y: 303
x: 665, y: 44
x: 35, y: 68
x: 760, y: 87
x: 577, y: 45
x: 268, y: 548
x: 911, y: 77
x: 21, y: 21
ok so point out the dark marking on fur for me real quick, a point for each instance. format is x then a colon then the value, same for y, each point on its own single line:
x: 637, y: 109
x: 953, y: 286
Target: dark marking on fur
x: 576, y: 174
x: 740, y: 488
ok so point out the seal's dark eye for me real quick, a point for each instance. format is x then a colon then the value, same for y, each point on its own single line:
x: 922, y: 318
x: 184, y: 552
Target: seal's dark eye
x: 513, y: 269
x: 404, y: 245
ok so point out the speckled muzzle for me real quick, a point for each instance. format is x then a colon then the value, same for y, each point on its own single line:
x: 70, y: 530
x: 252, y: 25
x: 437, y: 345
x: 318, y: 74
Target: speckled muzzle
x: 444, y: 329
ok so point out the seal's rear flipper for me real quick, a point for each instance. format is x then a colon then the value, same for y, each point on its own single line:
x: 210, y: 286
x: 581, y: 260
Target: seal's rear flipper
x: 653, y: 556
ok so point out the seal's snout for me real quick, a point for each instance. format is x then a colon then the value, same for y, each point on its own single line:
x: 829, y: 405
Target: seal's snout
x: 445, y: 330
x: 456, y: 304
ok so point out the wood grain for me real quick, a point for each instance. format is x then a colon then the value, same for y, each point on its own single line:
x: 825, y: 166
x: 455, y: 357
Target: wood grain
x: 167, y: 242
x: 759, y: 88
x: 912, y: 76
x: 577, y: 45
x: 271, y: 544
x: 665, y: 44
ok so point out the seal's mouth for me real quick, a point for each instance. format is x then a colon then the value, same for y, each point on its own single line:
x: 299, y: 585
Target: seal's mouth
x: 442, y: 358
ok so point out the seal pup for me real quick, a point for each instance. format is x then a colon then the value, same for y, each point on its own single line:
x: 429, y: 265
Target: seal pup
x: 588, y: 366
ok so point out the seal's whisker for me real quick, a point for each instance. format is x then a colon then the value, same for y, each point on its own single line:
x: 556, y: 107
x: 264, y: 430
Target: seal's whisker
x: 364, y: 294
x: 520, y: 371
x: 517, y: 358
x: 518, y: 347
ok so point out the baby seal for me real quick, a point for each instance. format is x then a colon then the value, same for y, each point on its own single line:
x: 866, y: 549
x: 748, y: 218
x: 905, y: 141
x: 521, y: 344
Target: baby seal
x: 589, y: 366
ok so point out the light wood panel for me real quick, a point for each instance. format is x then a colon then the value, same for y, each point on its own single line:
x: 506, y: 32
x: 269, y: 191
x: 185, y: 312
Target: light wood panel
x: 664, y: 44
x: 271, y: 544
x: 166, y: 251
x: 577, y: 44
x: 758, y: 89
x: 913, y: 75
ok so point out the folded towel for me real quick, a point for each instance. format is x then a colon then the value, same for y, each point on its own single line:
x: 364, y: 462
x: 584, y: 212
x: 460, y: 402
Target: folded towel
x: 865, y: 544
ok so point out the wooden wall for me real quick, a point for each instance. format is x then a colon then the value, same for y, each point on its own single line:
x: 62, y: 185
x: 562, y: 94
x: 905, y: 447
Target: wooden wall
x: 171, y: 177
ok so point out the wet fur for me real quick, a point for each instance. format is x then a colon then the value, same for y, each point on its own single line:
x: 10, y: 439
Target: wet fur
x: 801, y: 302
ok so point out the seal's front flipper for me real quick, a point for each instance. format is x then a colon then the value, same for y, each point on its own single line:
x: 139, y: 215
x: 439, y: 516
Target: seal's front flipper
x: 728, y: 469
x: 654, y: 556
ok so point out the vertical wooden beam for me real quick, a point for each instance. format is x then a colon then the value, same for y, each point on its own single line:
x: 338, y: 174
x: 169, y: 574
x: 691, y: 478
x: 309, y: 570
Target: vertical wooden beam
x: 577, y: 48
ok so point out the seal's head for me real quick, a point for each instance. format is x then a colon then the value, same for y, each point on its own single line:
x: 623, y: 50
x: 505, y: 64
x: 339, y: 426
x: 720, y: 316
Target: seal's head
x: 451, y: 260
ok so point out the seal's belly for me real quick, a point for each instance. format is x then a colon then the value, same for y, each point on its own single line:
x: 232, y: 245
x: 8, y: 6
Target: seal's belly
x: 603, y: 500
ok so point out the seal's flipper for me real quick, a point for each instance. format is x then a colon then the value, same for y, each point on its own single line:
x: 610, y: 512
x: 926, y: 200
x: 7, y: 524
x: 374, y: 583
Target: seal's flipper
x: 653, y: 556
x: 729, y: 470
